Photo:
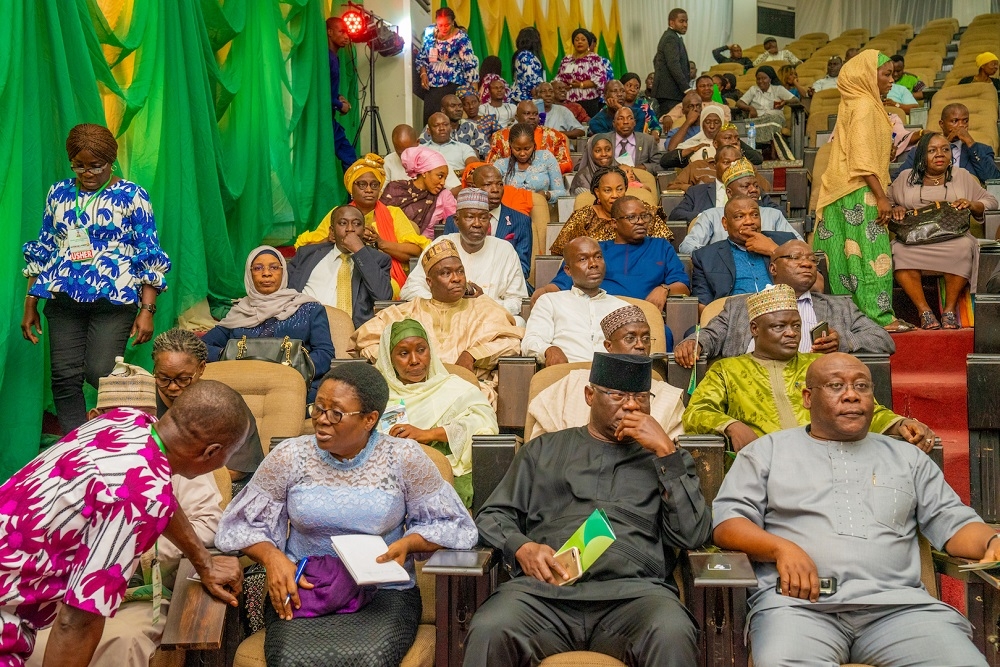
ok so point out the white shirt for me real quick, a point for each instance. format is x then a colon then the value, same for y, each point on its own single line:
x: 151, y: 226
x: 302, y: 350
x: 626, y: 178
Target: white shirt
x: 721, y: 198
x: 707, y: 228
x: 495, y: 267
x: 560, y: 118
x: 807, y: 313
x: 570, y: 320
x: 763, y: 101
x: 783, y: 54
x: 394, y: 171
x: 503, y: 113
x: 455, y: 153
x: 826, y: 83
x: 322, y: 283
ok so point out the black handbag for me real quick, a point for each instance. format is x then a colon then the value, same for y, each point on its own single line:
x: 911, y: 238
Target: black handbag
x: 285, y: 351
x: 931, y: 224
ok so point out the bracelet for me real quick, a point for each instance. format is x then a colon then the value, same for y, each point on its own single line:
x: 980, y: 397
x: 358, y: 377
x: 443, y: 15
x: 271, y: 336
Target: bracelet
x: 990, y: 541
x: 30, y: 296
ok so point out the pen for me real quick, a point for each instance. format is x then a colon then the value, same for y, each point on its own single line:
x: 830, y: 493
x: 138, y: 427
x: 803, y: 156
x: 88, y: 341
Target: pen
x: 298, y: 573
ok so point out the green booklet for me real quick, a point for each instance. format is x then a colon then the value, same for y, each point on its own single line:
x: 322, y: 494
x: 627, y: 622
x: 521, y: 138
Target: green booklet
x: 592, y: 538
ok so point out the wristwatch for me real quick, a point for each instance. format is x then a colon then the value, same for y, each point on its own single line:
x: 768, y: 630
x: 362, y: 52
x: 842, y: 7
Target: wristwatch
x: 151, y: 307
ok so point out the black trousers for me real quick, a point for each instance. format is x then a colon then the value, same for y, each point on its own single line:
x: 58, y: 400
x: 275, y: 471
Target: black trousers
x: 432, y: 100
x: 665, y: 104
x: 592, y: 107
x: 84, y: 339
x: 515, y: 628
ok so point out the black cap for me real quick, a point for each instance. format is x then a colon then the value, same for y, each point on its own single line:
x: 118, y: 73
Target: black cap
x: 622, y: 372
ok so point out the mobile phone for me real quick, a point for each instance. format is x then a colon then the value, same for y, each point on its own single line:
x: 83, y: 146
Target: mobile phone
x: 827, y: 586
x: 570, y: 561
x: 819, y: 331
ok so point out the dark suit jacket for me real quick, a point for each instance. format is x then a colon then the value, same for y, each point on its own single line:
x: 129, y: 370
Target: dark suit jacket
x: 370, y: 280
x: 671, y: 74
x: 701, y: 197
x: 647, y: 149
x: 977, y: 160
x: 713, y: 269
x: 514, y: 227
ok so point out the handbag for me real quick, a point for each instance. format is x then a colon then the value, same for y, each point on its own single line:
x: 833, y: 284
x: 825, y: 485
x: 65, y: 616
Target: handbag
x: 931, y: 224
x: 285, y: 351
x: 334, y: 590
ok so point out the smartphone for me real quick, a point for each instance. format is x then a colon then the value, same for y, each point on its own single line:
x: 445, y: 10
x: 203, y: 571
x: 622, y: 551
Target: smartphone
x: 570, y: 560
x: 819, y: 331
x: 827, y: 586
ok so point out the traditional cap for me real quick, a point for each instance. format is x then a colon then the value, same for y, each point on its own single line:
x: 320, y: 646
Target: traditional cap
x: 769, y: 39
x: 404, y: 329
x: 438, y: 251
x: 622, y: 372
x: 737, y: 170
x: 616, y: 319
x: 985, y: 57
x: 473, y: 198
x: 127, y: 386
x: 771, y: 300
x: 728, y: 126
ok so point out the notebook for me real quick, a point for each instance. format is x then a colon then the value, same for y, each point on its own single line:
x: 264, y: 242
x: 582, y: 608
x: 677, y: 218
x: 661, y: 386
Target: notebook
x: 592, y: 538
x: 358, y: 552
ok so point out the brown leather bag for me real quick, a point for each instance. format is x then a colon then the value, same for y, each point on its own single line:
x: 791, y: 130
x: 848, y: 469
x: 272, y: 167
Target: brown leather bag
x: 937, y: 222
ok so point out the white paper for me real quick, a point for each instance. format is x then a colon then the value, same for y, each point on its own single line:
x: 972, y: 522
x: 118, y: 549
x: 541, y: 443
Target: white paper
x: 626, y: 160
x: 359, y: 553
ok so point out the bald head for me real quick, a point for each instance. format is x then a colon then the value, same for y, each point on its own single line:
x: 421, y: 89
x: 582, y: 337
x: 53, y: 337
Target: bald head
x: 840, y: 398
x: 439, y: 127
x: 614, y: 94
x: 403, y: 137
x: 794, y: 263
x: 527, y: 113
x: 741, y: 219
x: 583, y: 261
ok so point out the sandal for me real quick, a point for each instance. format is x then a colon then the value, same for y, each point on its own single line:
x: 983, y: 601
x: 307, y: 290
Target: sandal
x: 899, y: 326
x: 949, y: 321
x: 929, y: 322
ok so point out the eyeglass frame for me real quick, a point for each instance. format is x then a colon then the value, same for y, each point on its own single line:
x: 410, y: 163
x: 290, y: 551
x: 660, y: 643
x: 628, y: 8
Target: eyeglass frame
x: 625, y: 339
x: 81, y: 170
x: 853, y: 385
x: 646, y: 217
x: 312, y: 407
x: 610, y: 393
x: 158, y: 381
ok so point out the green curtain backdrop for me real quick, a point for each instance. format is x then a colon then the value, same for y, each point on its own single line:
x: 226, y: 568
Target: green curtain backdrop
x: 222, y: 111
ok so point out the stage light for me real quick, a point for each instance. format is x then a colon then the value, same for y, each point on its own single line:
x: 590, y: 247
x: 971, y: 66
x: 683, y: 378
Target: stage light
x: 356, y: 22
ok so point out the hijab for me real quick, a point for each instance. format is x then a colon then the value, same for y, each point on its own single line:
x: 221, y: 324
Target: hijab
x: 769, y: 71
x: 255, y: 308
x: 701, y: 138
x: 862, y: 142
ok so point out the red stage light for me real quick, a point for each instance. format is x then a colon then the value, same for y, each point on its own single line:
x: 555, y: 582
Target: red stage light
x: 356, y: 23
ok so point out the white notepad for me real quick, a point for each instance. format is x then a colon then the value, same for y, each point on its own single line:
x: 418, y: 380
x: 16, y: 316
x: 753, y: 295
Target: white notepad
x: 359, y: 553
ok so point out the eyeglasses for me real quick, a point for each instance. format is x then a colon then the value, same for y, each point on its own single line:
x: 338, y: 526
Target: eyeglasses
x: 259, y: 268
x: 640, y: 397
x: 838, y: 388
x: 367, y: 185
x: 80, y: 169
x: 632, y: 219
x: 182, y: 381
x: 332, y: 416
x: 631, y: 338
x: 799, y: 259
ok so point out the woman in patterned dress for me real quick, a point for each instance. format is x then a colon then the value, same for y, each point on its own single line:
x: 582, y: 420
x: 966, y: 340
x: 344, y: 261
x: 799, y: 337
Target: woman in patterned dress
x: 98, y: 264
x: 585, y: 74
x: 527, y: 66
x: 445, y: 61
x: 853, y: 208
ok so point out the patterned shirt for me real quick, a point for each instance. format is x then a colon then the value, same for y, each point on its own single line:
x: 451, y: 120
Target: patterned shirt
x: 448, y: 61
x: 488, y: 125
x: 468, y: 133
x: 542, y: 174
x: 528, y: 73
x: 74, y: 521
x: 546, y: 139
x: 590, y: 67
x: 122, y: 232
x: 645, y: 118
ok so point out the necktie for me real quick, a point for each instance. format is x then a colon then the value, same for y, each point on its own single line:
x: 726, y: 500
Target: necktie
x: 625, y: 145
x: 344, y: 284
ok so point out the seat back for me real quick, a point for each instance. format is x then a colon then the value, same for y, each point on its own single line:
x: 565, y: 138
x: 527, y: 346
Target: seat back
x: 726, y: 68
x: 981, y: 99
x: 822, y: 160
x: 655, y: 319
x: 540, y: 218
x: 647, y: 179
x: 824, y: 103
x: 341, y: 330
x: 712, y: 309
x: 463, y: 373
x: 921, y: 58
x: 949, y: 23
x: 224, y: 481
x: 275, y: 394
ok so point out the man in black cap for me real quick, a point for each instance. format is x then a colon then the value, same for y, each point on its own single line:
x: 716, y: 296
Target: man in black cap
x: 625, y: 604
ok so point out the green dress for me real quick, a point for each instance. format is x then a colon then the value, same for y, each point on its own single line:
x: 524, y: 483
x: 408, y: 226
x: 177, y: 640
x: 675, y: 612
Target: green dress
x: 858, y: 253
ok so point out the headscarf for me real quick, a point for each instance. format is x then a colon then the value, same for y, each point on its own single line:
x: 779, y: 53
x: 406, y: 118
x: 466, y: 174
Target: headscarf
x: 701, y: 138
x: 419, y: 160
x: 587, y: 168
x: 94, y: 138
x: 256, y: 308
x: 862, y: 142
x: 370, y: 163
x: 771, y: 74
x: 373, y: 164
x: 484, y: 88
x: 441, y: 400
x: 985, y: 58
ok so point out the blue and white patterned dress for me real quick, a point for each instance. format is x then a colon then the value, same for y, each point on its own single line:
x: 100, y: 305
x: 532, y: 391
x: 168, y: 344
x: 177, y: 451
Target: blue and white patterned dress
x: 528, y: 73
x: 454, y: 60
x: 127, y: 253
x: 542, y: 174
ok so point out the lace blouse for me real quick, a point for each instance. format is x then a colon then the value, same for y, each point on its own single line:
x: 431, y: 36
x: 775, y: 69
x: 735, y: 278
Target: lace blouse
x: 301, y: 496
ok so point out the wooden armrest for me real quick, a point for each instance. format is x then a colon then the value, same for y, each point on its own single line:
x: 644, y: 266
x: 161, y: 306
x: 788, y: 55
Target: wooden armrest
x: 722, y: 569
x: 946, y: 564
x: 195, y: 620
x: 462, y: 563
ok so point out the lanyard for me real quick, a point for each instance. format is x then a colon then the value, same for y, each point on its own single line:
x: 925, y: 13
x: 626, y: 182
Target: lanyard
x: 156, y: 439
x: 86, y: 205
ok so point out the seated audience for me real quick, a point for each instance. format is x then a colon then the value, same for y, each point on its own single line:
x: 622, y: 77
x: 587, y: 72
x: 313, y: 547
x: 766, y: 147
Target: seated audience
x: 633, y: 148
x: 988, y: 65
x: 596, y: 221
x: 789, y: 78
x: 599, y: 153
x: 763, y: 103
x: 701, y: 146
x: 273, y: 310
x: 828, y: 82
x: 966, y: 152
x: 706, y: 171
x: 727, y: 88
x: 76, y: 520
x: 565, y: 326
x: 793, y: 264
x: 403, y: 137
x: 614, y: 97
x: 529, y: 167
x: 455, y: 152
x: 645, y: 116
x: 497, y: 105
x: 466, y: 331
x: 623, y: 605
x: 346, y: 479
x: 702, y: 92
x: 905, y: 79
x: 425, y: 198
x: 441, y: 410
x: 771, y: 53
x: 901, y: 98
x: 546, y: 139
x: 737, y: 265
x: 851, y: 52
x: 735, y: 56
x: 835, y: 500
x: 179, y: 359
x: 560, y: 89
x: 517, y: 199
x: 131, y: 636
x: 557, y: 117
x: 487, y: 125
x: 934, y: 179
x: 624, y: 331
x: 463, y: 131
x: 506, y: 223
x: 738, y: 397
x: 492, y: 266
x: 343, y: 272
x: 738, y: 179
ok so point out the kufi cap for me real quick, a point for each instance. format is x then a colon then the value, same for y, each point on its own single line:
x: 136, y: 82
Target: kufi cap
x: 616, y: 319
x: 622, y: 372
x: 473, y: 198
x: 737, y: 170
x: 985, y: 57
x: 771, y: 300
x: 438, y: 251
x: 127, y: 386
x: 728, y: 126
x: 404, y: 329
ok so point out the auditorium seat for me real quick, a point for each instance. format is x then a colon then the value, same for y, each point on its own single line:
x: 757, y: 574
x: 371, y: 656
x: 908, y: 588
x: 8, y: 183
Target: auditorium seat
x: 824, y: 104
x: 341, y: 329
x: 981, y: 99
x: 540, y: 218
